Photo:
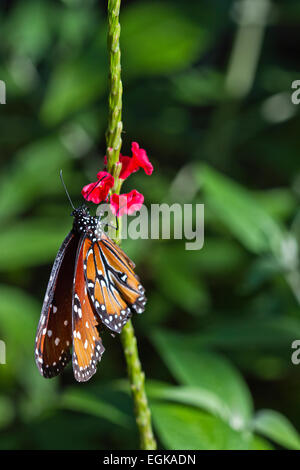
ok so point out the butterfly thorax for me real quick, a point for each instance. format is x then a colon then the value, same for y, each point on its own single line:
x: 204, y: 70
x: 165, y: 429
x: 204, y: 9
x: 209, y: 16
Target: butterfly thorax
x: 84, y: 223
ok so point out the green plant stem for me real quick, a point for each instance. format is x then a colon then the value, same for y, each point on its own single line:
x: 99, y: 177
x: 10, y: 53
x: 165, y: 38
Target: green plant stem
x: 137, y: 385
x: 114, y: 141
x: 115, y: 126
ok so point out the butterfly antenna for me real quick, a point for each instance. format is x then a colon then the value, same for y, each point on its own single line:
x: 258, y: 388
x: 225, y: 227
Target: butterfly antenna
x: 65, y: 187
x: 94, y: 187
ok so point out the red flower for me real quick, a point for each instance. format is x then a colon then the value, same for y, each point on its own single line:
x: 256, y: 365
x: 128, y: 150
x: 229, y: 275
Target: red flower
x: 139, y: 156
x: 132, y: 164
x: 127, y: 167
x: 98, y: 191
x: 126, y: 203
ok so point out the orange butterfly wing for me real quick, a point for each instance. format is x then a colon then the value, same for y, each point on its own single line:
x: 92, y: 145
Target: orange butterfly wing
x: 114, y: 288
x: 87, y: 344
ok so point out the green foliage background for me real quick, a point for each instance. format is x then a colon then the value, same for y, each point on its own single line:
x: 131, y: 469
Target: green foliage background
x: 207, y: 88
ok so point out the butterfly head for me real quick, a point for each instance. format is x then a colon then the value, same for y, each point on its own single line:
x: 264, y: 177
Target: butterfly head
x: 82, y: 211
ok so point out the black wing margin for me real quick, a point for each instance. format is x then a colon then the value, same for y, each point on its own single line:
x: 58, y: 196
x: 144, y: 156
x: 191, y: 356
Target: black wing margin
x: 54, y: 332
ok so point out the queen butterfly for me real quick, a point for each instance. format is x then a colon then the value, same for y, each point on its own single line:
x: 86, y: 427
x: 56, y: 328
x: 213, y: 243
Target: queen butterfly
x: 92, y: 283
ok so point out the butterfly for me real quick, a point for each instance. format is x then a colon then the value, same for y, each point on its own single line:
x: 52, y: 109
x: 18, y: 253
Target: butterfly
x: 92, y: 286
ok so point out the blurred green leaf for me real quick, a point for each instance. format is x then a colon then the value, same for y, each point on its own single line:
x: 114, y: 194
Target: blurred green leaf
x: 29, y: 28
x: 157, y: 38
x: 181, y: 427
x: 195, y: 396
x: 39, y: 396
x: 280, y: 203
x: 32, y: 242
x: 188, y: 291
x: 19, y: 315
x: 219, y: 256
x: 84, y: 402
x: 239, y: 335
x: 6, y: 411
x: 30, y: 174
x: 161, y: 309
x: 240, y: 212
x: 74, y: 84
x: 258, y: 443
x: 250, y: 333
x: 260, y: 271
x: 198, y: 87
x: 77, y: 24
x: 278, y: 428
x: 211, y: 373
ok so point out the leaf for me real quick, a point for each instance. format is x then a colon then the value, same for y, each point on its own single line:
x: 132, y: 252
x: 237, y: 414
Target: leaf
x: 31, y: 243
x: 77, y: 400
x: 28, y: 29
x: 77, y: 24
x: 80, y: 77
x: 243, y: 334
x: 181, y: 427
x: 219, y: 257
x: 159, y: 39
x: 195, y: 396
x: 280, y: 203
x: 40, y: 395
x: 188, y: 291
x: 211, y: 373
x: 259, y: 443
x: 19, y: 314
x: 34, y: 166
x: 276, y: 427
x: 240, y: 212
x: 6, y: 411
x: 74, y: 84
x: 198, y: 87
